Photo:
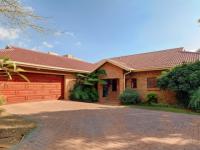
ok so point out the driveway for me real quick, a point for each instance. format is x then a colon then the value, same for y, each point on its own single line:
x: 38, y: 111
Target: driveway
x: 67, y: 125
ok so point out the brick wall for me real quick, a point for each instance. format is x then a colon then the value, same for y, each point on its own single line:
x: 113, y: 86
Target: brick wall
x: 40, y: 87
x: 69, y: 81
x: 164, y: 95
x: 113, y: 72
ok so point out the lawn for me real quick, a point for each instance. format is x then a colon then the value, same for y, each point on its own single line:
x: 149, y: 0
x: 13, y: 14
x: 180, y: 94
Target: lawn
x: 164, y: 107
x: 12, y: 129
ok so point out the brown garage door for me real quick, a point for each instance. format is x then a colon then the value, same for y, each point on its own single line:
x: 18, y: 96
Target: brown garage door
x: 40, y: 87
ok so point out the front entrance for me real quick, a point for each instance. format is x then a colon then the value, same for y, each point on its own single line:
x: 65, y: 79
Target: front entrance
x: 110, y: 90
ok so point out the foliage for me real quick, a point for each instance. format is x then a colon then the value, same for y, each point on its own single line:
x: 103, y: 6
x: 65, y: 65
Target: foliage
x: 152, y: 98
x: 15, y: 15
x: 85, y: 89
x: 129, y: 96
x: 84, y: 93
x: 2, y: 100
x: 182, y: 79
x: 195, y: 100
x: 8, y: 68
x: 92, y: 78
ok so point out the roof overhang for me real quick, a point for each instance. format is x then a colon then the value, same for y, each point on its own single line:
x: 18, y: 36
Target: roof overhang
x: 118, y: 64
x: 23, y: 64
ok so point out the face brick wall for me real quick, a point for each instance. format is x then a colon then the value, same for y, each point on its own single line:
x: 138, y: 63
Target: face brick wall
x: 164, y: 96
x: 113, y: 72
x: 40, y: 87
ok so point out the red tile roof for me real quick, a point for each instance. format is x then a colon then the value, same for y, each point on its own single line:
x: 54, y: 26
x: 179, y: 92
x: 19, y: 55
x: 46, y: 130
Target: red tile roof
x: 158, y: 59
x: 146, y: 61
x: 44, y: 59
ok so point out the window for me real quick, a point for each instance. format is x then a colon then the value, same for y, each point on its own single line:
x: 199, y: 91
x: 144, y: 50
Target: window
x: 152, y: 82
x: 134, y: 83
x: 114, y: 85
x: 105, y: 89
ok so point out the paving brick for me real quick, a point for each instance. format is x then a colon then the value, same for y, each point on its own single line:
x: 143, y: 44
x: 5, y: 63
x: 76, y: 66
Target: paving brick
x: 67, y: 125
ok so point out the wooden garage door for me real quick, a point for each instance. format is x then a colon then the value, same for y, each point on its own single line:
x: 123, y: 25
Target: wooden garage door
x: 40, y: 87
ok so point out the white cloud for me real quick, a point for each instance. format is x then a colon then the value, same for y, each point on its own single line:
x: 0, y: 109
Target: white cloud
x: 59, y: 33
x: 29, y: 8
x: 70, y: 34
x: 9, y: 34
x: 78, y: 43
x: 48, y: 45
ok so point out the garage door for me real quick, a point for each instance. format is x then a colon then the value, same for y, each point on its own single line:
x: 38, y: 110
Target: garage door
x: 40, y: 87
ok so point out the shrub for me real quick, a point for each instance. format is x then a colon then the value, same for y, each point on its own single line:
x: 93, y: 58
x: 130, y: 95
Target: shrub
x: 129, y: 96
x: 195, y: 100
x: 182, y: 79
x: 2, y: 100
x: 84, y: 93
x: 152, y: 98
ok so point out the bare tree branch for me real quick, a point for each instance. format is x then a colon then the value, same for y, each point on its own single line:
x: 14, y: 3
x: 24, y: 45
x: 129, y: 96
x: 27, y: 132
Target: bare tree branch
x: 15, y: 15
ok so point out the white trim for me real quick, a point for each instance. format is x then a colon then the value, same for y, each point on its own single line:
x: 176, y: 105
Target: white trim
x: 48, y: 67
x: 114, y: 63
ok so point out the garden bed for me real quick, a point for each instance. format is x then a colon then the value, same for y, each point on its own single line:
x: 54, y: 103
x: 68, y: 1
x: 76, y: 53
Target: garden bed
x: 12, y: 129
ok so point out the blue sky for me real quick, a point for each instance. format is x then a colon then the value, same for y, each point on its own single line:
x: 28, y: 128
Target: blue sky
x: 96, y: 29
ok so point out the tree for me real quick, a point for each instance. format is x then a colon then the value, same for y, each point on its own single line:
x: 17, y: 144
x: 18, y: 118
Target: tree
x: 183, y: 80
x: 85, y: 88
x: 92, y: 78
x: 15, y: 15
x: 8, y: 68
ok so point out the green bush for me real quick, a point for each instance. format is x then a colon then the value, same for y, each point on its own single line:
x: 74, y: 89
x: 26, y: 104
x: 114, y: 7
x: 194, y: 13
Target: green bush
x: 84, y: 93
x: 182, y: 79
x: 129, y: 96
x: 2, y: 100
x: 152, y: 98
x: 195, y: 100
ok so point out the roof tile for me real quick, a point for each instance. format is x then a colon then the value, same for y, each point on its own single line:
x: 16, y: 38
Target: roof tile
x: 40, y: 58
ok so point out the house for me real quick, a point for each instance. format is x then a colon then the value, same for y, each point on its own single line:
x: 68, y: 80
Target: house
x: 140, y: 72
x: 53, y: 76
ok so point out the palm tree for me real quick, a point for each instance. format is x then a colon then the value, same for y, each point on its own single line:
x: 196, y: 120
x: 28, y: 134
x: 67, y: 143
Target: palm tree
x: 8, y: 68
x: 86, y: 87
x: 91, y: 79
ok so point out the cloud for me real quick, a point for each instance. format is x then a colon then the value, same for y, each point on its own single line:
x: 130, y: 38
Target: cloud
x: 9, y: 34
x: 29, y: 8
x: 70, y: 34
x: 59, y: 33
x: 78, y: 43
x: 48, y: 45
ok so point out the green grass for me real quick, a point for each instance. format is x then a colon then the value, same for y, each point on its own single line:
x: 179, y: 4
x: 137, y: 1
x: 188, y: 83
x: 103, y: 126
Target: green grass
x: 164, y: 107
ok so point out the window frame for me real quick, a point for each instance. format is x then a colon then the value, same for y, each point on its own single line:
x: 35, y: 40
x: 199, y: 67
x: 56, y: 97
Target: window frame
x: 152, y: 82
x: 134, y: 83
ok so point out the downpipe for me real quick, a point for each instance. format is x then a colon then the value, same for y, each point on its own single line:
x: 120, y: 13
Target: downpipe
x: 125, y: 74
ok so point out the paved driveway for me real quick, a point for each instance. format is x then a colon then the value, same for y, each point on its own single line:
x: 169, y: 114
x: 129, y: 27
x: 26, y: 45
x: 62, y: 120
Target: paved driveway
x: 82, y: 126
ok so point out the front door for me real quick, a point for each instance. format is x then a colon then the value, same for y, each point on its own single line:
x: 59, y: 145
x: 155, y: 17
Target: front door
x: 110, y: 89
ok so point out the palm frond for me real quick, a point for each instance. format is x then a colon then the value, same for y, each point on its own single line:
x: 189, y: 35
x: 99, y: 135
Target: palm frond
x: 23, y: 76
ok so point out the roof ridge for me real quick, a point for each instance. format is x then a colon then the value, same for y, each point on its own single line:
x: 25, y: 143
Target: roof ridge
x: 169, y: 49
x: 190, y: 52
x: 35, y: 51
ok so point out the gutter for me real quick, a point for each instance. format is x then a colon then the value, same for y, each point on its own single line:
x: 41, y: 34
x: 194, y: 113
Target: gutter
x: 49, y: 67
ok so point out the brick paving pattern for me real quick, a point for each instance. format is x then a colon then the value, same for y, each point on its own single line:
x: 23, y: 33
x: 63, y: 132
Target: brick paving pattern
x: 83, y: 126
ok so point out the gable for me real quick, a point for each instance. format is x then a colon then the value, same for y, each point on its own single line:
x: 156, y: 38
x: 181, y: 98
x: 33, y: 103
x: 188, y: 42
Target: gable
x: 112, y: 71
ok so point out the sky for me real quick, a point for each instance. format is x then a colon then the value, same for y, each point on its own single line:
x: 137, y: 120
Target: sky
x: 97, y: 29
